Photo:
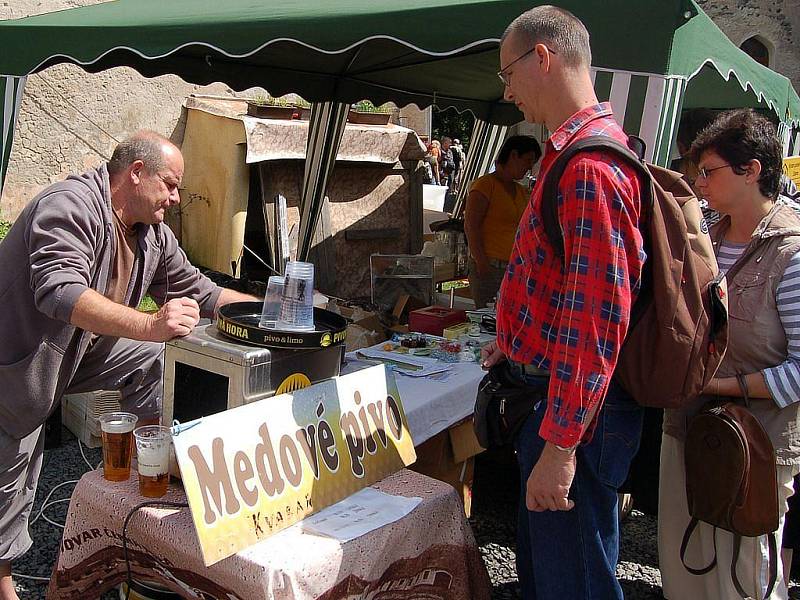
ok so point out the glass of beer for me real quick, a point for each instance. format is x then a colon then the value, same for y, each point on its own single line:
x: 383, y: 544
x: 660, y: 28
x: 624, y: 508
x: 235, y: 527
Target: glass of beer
x: 152, y: 449
x: 117, y: 428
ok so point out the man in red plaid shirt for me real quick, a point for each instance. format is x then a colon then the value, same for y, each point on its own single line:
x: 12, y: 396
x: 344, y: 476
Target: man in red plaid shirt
x: 561, y: 320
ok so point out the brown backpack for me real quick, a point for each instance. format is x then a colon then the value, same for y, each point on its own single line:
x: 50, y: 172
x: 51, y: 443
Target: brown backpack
x: 731, y: 482
x: 678, y: 328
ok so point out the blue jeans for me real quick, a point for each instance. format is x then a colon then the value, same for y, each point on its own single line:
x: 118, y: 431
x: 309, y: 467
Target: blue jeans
x: 573, y: 554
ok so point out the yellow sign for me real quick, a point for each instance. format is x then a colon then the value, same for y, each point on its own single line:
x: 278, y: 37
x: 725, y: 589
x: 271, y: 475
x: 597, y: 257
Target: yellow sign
x: 254, y: 470
x: 791, y: 166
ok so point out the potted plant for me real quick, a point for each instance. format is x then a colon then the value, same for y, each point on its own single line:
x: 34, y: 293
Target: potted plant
x: 267, y: 107
x: 303, y: 108
x: 366, y: 113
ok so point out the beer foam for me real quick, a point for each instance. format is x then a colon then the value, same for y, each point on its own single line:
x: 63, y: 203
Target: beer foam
x: 118, y: 426
x: 153, y: 461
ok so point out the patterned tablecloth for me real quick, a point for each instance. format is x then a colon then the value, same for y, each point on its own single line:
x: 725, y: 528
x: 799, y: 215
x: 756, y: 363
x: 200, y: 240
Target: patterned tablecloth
x: 429, y: 554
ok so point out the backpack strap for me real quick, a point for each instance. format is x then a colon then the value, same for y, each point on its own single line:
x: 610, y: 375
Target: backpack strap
x: 773, y: 565
x: 549, y: 207
x: 685, y: 543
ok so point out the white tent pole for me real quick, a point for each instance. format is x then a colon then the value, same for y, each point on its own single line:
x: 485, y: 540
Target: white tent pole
x: 325, y: 131
x: 11, y: 89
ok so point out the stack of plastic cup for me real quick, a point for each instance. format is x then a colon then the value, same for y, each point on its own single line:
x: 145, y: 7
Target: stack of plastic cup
x: 297, y: 303
x: 272, y: 302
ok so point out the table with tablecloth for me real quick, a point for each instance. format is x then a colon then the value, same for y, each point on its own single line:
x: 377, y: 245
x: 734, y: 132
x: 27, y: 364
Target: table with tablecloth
x: 439, y: 411
x: 430, y: 553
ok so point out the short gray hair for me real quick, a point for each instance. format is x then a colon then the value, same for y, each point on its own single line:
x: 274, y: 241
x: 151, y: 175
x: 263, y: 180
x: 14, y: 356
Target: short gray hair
x: 146, y: 146
x: 556, y: 28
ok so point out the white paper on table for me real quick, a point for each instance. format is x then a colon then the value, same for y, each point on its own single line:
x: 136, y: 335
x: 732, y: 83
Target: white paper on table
x: 418, y: 366
x: 358, y: 514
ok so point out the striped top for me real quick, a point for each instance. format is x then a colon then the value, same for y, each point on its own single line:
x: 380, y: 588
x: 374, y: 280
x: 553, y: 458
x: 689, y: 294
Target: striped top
x: 728, y: 254
x: 783, y: 380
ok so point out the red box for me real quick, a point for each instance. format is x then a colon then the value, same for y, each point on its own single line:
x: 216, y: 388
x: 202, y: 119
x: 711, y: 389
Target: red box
x: 434, y: 319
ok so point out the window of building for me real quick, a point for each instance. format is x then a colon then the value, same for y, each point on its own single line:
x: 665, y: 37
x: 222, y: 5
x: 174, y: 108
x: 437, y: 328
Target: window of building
x: 757, y: 50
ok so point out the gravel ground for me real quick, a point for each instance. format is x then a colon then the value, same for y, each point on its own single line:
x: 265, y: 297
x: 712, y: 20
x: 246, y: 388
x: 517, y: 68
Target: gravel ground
x: 494, y: 509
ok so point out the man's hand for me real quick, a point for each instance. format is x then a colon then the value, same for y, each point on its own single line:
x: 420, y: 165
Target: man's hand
x: 549, y: 482
x: 175, y: 319
x: 6, y: 582
x: 491, y: 355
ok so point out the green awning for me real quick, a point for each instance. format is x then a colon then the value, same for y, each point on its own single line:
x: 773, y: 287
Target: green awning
x: 421, y: 51
x: 722, y: 76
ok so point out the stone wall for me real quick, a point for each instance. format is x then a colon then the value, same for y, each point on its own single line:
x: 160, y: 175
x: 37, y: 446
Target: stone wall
x: 71, y: 120
x: 775, y: 22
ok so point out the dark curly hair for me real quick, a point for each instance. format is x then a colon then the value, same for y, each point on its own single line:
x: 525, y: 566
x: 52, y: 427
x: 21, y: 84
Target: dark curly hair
x: 739, y: 136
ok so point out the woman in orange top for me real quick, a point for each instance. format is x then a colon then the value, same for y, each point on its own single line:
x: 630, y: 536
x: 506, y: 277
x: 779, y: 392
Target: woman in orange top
x: 494, y: 207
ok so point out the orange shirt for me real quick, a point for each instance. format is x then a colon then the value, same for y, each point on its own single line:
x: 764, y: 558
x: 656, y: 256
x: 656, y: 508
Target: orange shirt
x: 502, y: 216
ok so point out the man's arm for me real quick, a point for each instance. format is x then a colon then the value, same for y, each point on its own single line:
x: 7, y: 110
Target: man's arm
x: 602, y: 244
x: 227, y: 296
x: 603, y: 251
x: 96, y: 313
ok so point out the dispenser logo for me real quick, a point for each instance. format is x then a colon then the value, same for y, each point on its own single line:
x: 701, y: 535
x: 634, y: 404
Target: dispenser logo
x: 293, y: 382
x: 325, y: 340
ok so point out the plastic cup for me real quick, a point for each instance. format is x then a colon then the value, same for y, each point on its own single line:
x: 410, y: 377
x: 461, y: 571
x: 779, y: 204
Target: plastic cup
x: 117, y: 432
x: 152, y: 452
x: 297, y: 302
x: 272, y: 302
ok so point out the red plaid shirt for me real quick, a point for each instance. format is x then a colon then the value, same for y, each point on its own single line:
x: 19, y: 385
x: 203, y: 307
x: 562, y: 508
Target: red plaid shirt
x: 572, y: 321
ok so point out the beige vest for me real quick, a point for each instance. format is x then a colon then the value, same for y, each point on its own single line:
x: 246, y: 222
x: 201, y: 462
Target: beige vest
x: 756, y: 338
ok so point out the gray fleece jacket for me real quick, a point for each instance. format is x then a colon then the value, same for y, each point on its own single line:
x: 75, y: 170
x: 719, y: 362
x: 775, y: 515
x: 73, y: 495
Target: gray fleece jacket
x: 62, y: 244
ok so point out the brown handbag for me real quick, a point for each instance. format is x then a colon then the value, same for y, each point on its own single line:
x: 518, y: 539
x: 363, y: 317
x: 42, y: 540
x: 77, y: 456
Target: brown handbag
x: 731, y: 481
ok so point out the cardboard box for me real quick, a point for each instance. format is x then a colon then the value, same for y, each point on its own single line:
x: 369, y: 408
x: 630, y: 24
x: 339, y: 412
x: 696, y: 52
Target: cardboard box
x: 365, y: 329
x: 365, y: 333
x: 435, y: 459
x: 463, y: 440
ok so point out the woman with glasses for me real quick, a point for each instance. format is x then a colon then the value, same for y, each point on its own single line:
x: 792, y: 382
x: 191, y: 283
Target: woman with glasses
x: 494, y: 207
x: 757, y: 243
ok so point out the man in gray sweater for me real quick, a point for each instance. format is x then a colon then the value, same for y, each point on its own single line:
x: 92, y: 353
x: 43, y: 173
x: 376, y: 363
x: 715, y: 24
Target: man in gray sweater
x: 75, y: 265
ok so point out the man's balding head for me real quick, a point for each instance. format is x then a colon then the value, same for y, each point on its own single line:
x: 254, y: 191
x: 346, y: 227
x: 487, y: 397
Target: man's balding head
x: 147, y: 146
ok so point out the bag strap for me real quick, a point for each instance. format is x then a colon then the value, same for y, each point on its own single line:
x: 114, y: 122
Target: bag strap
x: 773, y: 565
x: 549, y: 205
x: 740, y: 379
x: 549, y: 208
x: 685, y: 543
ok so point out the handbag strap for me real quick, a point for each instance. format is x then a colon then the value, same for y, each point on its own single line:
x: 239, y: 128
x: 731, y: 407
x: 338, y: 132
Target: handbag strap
x: 685, y: 543
x: 740, y: 379
x: 773, y: 565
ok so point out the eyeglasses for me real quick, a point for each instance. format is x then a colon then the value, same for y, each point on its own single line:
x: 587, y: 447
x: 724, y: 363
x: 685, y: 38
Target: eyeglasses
x: 705, y: 172
x: 505, y: 77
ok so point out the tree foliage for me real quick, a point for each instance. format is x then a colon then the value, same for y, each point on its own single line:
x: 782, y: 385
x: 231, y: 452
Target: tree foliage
x: 453, y: 124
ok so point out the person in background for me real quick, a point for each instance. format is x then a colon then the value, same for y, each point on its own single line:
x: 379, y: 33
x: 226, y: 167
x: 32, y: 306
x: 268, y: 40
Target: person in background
x: 76, y: 264
x: 494, y: 207
x: 757, y: 241
x: 561, y: 320
x: 458, y: 160
x: 431, y: 172
x: 446, y: 163
x: 436, y: 154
